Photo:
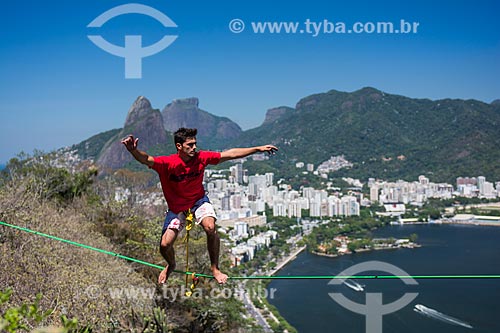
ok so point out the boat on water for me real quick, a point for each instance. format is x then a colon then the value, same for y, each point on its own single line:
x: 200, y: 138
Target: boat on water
x: 422, y: 309
x: 354, y: 285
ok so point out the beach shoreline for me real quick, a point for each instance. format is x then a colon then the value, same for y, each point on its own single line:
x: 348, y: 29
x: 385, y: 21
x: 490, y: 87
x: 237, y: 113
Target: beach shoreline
x: 287, y: 260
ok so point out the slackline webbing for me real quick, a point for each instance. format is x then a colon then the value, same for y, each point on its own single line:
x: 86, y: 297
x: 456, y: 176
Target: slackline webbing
x: 260, y: 277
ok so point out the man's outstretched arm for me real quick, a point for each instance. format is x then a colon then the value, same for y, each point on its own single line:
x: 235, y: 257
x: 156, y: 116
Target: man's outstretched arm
x: 233, y: 153
x: 131, y: 144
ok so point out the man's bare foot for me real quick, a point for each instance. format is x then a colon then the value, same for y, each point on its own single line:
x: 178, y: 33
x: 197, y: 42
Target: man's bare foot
x: 163, y: 277
x: 220, y: 277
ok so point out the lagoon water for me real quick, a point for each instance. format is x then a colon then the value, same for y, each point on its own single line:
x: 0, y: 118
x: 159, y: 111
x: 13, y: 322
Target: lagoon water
x: 461, y: 305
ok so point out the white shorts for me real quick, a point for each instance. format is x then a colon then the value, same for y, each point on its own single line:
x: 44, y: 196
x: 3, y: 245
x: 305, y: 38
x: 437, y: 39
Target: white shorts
x: 178, y: 221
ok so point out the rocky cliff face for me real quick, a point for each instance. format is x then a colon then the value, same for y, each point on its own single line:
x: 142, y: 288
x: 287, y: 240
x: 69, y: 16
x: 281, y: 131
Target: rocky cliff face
x: 275, y: 113
x: 186, y: 113
x: 144, y: 123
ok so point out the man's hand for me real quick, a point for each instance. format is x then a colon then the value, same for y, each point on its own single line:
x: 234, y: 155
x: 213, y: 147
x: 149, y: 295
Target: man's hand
x: 270, y: 149
x: 130, y: 143
x: 233, y: 153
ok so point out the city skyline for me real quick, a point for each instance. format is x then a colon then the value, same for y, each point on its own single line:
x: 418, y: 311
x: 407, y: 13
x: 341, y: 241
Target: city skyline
x: 58, y: 88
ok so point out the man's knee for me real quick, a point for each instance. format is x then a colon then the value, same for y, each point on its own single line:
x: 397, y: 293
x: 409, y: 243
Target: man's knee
x: 164, y: 245
x: 208, y: 224
x: 167, y: 240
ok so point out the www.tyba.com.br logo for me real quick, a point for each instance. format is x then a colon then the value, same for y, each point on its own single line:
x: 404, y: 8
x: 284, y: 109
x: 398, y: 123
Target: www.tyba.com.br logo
x: 133, y: 51
x: 374, y: 309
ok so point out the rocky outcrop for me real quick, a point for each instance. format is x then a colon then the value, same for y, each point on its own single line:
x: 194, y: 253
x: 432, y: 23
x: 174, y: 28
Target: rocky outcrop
x: 144, y: 123
x: 186, y: 113
x: 275, y: 113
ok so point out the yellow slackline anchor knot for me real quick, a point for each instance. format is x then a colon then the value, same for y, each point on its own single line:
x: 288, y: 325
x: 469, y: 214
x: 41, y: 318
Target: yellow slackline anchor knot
x: 194, y: 278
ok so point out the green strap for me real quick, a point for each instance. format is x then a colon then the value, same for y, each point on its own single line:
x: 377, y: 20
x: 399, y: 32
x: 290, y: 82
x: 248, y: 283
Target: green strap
x: 82, y: 245
x: 261, y: 277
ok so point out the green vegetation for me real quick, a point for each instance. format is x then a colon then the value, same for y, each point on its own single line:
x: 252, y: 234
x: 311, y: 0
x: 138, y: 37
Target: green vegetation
x: 101, y: 293
x: 382, y: 135
x: 413, y: 238
x: 356, y: 227
x: 47, y: 182
x: 91, y: 148
x: 356, y: 233
x: 30, y: 317
x: 14, y: 319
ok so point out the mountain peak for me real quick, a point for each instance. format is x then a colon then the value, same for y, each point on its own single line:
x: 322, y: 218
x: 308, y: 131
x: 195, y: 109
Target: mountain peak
x: 143, y: 122
x: 141, y: 102
x: 274, y: 114
x: 369, y: 90
x: 186, y: 113
x: 191, y: 101
x: 140, y: 108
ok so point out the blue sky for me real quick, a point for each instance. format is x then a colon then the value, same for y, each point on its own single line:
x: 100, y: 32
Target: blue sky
x: 58, y: 88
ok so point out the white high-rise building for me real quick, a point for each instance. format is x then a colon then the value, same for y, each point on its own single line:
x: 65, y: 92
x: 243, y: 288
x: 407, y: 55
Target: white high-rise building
x: 374, y: 193
x: 237, y: 172
x: 480, y: 184
x: 488, y: 190
x: 315, y: 208
x: 350, y: 206
x: 257, y: 206
x: 268, y: 194
x: 269, y: 178
x: 225, y: 203
x: 333, y: 206
x: 241, y: 228
x: 256, y: 185
x: 235, y: 201
x: 253, y: 189
x: 279, y: 208
x: 304, y: 203
x: 221, y: 184
x: 308, y: 192
x: 294, y: 209
x: 292, y: 195
x: 423, y: 180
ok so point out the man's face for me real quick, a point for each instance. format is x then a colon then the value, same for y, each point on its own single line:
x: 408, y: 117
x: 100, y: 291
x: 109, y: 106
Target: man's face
x: 187, y: 149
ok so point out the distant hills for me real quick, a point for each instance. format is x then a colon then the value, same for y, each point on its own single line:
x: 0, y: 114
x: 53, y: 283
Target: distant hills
x: 383, y: 135
x: 212, y: 130
x: 389, y: 136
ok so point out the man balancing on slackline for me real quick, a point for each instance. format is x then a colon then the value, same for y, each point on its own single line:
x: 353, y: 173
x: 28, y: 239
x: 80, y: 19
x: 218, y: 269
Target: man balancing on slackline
x: 181, y: 177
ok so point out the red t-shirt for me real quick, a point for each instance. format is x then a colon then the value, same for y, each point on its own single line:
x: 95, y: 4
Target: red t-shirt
x: 182, y: 183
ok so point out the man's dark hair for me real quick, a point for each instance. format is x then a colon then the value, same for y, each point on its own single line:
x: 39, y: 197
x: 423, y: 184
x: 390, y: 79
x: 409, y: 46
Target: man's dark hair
x: 182, y: 134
